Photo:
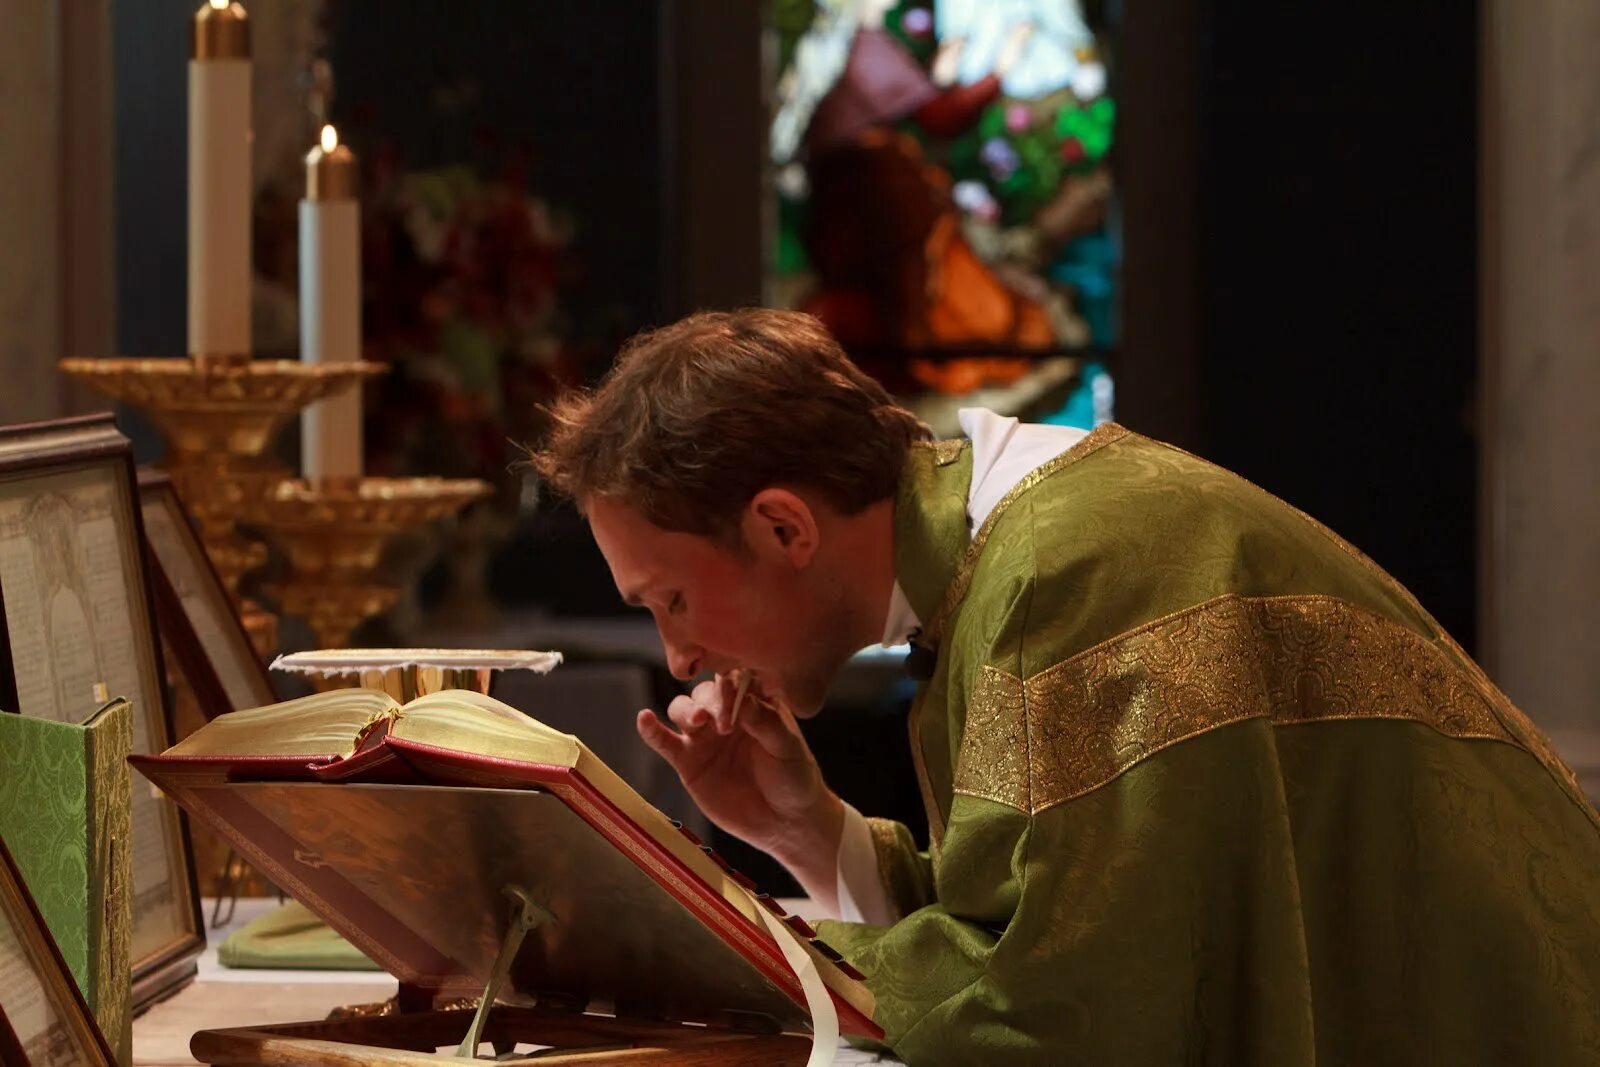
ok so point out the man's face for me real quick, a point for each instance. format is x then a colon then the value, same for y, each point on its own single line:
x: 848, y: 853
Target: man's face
x: 718, y: 608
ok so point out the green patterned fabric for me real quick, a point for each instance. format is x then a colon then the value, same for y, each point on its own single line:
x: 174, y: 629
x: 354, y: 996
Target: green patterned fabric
x: 291, y: 938
x: 66, y: 817
x: 1209, y: 787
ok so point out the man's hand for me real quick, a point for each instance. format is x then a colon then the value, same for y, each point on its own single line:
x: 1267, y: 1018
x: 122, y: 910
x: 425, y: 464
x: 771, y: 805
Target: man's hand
x: 753, y: 775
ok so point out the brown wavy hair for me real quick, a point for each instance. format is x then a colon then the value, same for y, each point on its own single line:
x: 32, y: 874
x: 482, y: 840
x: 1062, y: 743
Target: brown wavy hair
x: 697, y: 417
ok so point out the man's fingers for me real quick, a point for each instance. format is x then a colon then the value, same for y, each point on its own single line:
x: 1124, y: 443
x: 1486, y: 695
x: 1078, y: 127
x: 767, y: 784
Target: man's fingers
x: 666, y: 742
x: 688, y: 714
x: 772, y: 728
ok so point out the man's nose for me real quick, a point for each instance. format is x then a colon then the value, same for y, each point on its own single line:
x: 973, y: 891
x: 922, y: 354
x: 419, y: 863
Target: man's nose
x: 682, y: 660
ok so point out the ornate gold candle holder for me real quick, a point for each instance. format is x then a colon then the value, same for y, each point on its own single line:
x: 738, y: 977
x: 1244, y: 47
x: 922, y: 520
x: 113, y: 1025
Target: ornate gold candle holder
x: 333, y: 533
x: 218, y: 415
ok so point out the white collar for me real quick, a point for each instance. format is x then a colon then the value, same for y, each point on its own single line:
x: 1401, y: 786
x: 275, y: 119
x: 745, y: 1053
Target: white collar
x: 1003, y: 451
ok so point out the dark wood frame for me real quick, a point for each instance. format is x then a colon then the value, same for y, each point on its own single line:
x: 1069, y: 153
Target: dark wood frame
x: 197, y: 663
x: 66, y: 446
x: 59, y: 985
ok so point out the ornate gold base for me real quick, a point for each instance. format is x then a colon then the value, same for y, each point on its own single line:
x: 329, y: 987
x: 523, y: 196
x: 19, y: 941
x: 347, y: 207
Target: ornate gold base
x: 334, y: 533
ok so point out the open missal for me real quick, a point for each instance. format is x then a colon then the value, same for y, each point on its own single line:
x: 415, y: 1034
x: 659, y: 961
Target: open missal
x: 415, y: 831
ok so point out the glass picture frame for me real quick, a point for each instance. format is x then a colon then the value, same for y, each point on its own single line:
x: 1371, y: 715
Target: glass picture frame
x: 198, y: 621
x: 78, y: 623
x: 44, y: 1021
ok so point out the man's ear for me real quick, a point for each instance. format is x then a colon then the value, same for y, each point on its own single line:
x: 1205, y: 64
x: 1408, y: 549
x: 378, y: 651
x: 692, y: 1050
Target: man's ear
x: 779, y: 524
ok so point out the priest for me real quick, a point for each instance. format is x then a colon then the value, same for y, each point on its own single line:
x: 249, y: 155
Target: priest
x: 1204, y: 784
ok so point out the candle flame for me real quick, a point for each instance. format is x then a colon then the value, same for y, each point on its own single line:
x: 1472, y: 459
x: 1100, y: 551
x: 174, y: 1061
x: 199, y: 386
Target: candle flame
x: 330, y: 138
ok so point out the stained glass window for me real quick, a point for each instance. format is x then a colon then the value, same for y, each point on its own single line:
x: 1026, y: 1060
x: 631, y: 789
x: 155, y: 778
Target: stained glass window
x: 944, y: 196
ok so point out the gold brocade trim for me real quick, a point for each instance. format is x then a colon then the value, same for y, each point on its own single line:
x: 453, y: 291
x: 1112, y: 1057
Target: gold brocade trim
x: 930, y: 803
x: 884, y: 842
x: 994, y: 762
x: 1097, y: 439
x: 1035, y: 743
x: 1511, y: 717
x: 896, y: 853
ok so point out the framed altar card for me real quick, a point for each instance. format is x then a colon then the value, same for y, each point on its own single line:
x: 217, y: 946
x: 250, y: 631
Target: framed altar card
x: 78, y: 627
x: 44, y: 1021
x: 198, y: 622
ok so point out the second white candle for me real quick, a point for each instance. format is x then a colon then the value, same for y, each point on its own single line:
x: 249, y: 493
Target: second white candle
x: 330, y: 311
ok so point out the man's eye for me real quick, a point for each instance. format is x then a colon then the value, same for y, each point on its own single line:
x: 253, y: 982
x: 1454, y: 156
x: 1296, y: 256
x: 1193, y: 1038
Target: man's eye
x: 676, y: 607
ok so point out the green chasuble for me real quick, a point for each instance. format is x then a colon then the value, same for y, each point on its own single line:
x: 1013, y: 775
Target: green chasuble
x: 1207, y: 786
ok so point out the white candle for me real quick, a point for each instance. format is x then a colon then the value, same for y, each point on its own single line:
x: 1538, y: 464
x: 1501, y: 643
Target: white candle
x: 219, y: 181
x: 330, y: 305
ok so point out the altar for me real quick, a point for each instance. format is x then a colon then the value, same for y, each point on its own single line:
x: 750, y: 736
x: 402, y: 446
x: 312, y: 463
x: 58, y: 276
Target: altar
x: 222, y: 997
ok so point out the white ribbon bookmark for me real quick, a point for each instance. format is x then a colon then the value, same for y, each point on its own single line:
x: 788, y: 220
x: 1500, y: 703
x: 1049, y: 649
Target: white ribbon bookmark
x: 819, y: 1002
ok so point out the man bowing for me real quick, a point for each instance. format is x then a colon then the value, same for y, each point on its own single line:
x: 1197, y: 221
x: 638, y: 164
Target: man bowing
x: 1203, y: 783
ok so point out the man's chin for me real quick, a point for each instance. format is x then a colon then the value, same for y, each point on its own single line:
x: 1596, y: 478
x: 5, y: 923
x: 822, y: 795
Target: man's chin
x: 805, y: 699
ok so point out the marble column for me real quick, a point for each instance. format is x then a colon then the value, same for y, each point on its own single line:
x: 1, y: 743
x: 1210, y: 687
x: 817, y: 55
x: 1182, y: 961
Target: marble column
x: 1541, y: 366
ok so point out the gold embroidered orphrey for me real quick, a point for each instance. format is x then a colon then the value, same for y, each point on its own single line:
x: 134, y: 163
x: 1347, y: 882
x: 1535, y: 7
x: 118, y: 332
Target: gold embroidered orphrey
x: 895, y: 848
x: 1033, y: 743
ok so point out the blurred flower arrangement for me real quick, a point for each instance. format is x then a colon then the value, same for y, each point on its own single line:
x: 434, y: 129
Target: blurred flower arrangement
x: 463, y: 276
x: 464, y: 279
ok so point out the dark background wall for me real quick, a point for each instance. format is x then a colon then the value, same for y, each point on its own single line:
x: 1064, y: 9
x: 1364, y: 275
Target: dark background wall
x: 1340, y: 264
x: 150, y: 56
x: 569, y: 88
x: 1300, y: 194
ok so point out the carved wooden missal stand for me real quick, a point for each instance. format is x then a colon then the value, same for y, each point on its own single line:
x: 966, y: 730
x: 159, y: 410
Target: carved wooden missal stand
x: 474, y: 853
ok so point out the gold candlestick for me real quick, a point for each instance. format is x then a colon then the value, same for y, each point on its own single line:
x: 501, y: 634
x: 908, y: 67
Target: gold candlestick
x: 333, y: 533
x: 218, y: 415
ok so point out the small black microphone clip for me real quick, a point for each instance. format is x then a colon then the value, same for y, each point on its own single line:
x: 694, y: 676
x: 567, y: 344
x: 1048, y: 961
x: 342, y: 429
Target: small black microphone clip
x: 922, y: 659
